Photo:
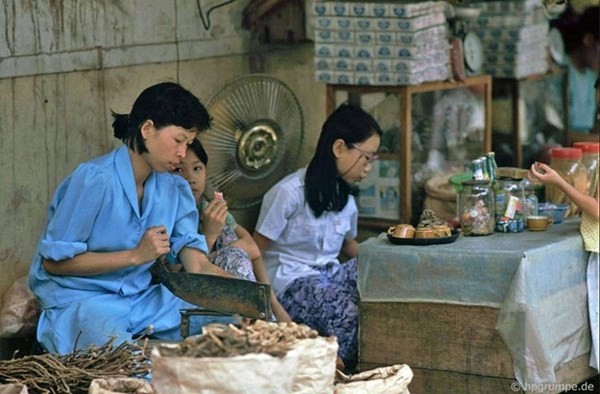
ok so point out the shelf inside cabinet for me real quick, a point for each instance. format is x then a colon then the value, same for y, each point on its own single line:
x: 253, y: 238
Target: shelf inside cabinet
x: 453, y: 117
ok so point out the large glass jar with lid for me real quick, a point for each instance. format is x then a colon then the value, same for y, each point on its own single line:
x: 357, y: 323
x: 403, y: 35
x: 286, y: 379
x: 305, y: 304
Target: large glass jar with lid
x: 476, y: 208
x: 589, y: 159
x: 567, y: 163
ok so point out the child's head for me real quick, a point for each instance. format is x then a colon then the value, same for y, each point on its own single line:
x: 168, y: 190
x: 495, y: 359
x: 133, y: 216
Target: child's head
x: 164, y: 104
x: 347, y: 145
x: 193, y: 168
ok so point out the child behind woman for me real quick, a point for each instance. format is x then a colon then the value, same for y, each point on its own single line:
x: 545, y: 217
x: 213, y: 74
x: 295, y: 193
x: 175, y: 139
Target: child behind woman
x: 231, y: 246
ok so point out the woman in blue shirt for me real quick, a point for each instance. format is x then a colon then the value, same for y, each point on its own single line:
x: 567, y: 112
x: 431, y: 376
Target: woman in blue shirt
x: 309, y: 218
x: 581, y: 35
x: 111, y: 219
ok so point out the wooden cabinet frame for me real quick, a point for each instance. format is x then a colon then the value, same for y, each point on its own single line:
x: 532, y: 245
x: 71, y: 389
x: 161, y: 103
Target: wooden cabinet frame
x: 405, y: 94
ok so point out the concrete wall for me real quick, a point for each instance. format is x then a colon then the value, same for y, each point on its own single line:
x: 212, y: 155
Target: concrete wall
x: 65, y: 65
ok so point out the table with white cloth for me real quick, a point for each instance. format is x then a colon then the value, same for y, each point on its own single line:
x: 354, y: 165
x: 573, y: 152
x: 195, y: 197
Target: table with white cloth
x: 479, y: 314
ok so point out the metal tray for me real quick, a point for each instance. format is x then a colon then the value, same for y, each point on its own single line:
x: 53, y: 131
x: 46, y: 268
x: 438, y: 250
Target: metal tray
x: 423, y: 241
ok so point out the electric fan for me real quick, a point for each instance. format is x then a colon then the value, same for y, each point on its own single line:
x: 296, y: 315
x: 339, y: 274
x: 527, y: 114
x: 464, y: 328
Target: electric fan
x: 255, y: 138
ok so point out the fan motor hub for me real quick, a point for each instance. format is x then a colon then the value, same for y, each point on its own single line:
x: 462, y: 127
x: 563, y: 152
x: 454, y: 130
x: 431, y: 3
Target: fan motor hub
x: 257, y: 147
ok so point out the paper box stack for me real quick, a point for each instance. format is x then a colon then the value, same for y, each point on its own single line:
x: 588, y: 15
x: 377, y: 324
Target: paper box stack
x: 514, y: 36
x: 381, y: 43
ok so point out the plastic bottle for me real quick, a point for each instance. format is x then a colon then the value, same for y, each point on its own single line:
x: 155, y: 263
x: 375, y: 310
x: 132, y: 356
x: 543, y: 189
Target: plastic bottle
x: 492, y: 166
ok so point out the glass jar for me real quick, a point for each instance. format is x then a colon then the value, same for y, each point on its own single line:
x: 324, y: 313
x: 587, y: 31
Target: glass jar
x: 476, y: 208
x: 510, y: 204
x: 567, y: 163
x: 589, y: 159
x: 531, y: 200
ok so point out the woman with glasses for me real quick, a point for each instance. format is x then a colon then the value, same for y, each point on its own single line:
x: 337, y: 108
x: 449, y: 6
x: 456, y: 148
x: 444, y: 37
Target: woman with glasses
x: 308, y: 221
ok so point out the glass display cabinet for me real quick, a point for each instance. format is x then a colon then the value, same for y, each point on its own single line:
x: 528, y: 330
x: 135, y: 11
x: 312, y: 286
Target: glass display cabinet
x: 428, y: 129
x: 529, y: 115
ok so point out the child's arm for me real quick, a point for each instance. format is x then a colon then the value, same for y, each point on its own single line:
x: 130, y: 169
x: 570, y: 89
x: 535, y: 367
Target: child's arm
x: 543, y: 173
x: 246, y: 242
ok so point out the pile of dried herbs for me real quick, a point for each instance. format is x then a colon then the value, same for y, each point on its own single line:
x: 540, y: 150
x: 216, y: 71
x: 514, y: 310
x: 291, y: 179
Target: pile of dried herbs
x: 73, y: 373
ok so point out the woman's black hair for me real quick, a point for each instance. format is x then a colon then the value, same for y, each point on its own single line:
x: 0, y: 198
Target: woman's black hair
x: 325, y: 190
x: 198, y: 149
x: 165, y: 104
x: 574, y: 26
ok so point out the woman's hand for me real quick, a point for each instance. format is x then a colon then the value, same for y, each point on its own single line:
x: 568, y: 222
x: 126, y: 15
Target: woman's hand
x: 154, y: 243
x: 543, y: 173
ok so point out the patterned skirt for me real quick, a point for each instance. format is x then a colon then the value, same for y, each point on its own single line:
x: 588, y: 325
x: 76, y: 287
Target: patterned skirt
x: 328, y: 303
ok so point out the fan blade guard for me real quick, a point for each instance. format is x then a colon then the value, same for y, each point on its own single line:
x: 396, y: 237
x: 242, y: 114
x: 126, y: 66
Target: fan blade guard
x: 255, y: 138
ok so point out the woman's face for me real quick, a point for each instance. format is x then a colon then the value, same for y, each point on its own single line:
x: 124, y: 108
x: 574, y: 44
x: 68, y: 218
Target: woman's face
x: 166, y: 146
x: 194, y: 171
x: 354, y: 163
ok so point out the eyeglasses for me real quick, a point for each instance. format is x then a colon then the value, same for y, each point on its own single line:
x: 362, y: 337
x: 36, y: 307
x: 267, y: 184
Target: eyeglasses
x: 370, y: 156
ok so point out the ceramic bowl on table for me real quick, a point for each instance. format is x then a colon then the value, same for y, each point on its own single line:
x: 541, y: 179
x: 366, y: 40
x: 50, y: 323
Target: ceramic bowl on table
x: 554, y: 211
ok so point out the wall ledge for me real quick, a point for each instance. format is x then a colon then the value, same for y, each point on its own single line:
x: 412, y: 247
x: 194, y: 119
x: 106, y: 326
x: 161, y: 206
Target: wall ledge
x: 132, y: 55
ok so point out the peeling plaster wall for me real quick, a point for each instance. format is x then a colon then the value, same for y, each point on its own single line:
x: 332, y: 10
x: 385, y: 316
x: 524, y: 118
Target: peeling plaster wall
x: 41, y: 36
x: 65, y: 64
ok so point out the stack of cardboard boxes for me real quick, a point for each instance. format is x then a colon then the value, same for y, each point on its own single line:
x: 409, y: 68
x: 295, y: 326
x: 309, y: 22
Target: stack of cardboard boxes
x: 381, y: 43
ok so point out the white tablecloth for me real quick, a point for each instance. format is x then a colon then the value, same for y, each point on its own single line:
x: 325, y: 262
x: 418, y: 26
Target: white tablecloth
x: 536, y: 279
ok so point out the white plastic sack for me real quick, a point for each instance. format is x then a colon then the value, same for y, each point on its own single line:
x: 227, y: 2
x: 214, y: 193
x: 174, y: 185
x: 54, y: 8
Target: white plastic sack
x: 250, y: 373
x: 385, y: 380
x: 20, y: 311
x: 120, y: 386
x: 316, y: 365
x: 13, y: 389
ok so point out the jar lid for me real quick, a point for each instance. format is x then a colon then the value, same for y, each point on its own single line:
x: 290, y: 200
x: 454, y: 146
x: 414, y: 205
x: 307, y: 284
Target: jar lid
x: 511, y: 172
x: 565, y: 153
x: 587, y: 146
x: 475, y: 182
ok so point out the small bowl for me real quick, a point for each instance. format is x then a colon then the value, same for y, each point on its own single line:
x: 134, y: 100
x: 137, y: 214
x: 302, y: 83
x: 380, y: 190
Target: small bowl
x: 424, y: 233
x: 402, y: 231
x: 539, y: 223
x: 555, y: 211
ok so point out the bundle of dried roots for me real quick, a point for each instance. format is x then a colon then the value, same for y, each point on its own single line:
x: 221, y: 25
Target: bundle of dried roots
x: 73, y: 373
x: 220, y: 340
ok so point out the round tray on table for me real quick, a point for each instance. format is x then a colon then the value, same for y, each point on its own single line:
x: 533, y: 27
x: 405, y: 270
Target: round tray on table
x: 421, y: 241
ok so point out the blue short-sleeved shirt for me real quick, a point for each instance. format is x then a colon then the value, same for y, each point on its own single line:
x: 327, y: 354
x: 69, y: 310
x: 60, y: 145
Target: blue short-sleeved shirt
x: 582, y: 98
x: 96, y: 209
x: 300, y: 240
